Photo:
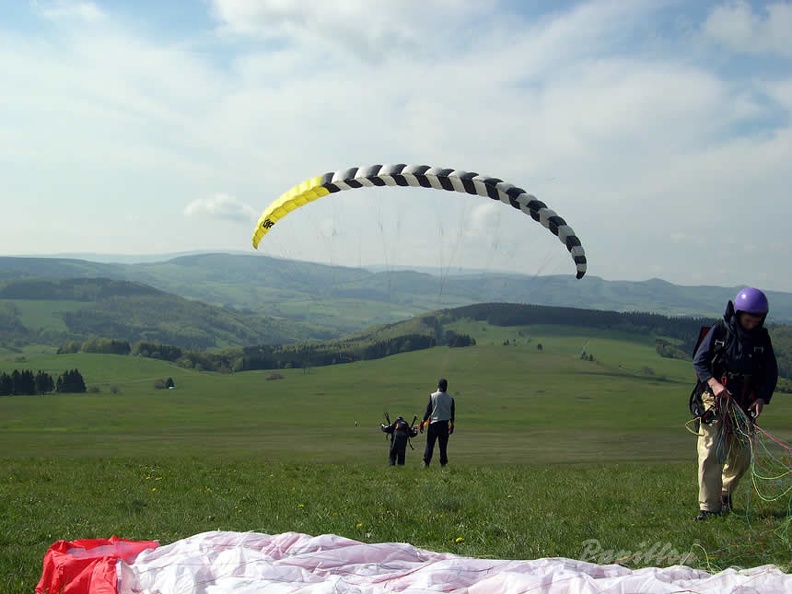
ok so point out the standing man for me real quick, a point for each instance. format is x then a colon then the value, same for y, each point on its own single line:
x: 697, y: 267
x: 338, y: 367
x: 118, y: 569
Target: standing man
x: 737, y: 372
x: 439, y: 418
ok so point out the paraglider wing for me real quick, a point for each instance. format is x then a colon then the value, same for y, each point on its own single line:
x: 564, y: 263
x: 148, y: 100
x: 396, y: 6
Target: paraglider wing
x: 244, y: 562
x: 437, y: 178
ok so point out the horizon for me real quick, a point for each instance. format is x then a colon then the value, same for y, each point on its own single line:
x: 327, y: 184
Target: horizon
x: 108, y: 258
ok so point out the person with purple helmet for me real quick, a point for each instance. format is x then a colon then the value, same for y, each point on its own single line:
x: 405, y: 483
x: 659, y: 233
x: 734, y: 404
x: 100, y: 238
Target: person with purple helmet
x: 738, y: 372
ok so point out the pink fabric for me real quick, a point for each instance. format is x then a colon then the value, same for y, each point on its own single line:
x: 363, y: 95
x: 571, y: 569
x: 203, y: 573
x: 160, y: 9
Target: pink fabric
x: 248, y: 563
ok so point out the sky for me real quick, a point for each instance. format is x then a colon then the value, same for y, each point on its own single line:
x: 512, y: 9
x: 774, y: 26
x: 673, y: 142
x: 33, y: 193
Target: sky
x: 660, y: 131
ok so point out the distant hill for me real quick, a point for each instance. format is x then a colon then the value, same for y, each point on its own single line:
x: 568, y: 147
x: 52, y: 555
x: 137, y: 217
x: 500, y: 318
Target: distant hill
x: 266, y: 312
x: 673, y: 337
x: 340, y: 300
x: 55, y: 311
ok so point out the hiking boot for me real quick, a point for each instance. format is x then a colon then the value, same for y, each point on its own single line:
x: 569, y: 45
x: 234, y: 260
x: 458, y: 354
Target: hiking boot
x: 705, y: 515
x: 726, y: 503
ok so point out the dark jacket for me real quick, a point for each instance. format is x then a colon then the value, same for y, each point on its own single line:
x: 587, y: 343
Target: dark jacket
x: 746, y: 359
x: 399, y: 430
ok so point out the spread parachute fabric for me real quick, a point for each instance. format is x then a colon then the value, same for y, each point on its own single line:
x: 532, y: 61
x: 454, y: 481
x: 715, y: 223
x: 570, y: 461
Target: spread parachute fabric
x: 248, y: 562
x: 422, y: 176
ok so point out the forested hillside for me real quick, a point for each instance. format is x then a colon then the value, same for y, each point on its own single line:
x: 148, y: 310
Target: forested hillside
x: 674, y: 336
x: 54, y: 311
x: 97, y: 314
x: 344, y: 300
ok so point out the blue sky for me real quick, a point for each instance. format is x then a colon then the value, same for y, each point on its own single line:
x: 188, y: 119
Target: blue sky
x: 659, y: 129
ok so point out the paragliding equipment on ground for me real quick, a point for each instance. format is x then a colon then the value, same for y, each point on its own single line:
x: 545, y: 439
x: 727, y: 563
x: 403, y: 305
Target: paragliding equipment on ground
x: 422, y: 176
x: 239, y: 562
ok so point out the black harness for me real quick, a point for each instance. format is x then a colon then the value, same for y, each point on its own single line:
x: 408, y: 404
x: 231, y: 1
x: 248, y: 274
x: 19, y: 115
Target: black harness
x: 748, y: 381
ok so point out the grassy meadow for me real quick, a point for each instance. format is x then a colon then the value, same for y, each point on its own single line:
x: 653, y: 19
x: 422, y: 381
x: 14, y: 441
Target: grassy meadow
x: 553, y: 455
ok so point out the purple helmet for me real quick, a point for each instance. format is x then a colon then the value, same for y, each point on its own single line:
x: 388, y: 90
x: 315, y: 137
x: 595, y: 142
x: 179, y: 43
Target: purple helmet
x: 751, y: 301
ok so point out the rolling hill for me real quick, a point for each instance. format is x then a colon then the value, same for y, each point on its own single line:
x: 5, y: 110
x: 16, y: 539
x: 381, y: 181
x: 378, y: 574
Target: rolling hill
x: 95, y: 314
x: 55, y: 311
x: 339, y: 300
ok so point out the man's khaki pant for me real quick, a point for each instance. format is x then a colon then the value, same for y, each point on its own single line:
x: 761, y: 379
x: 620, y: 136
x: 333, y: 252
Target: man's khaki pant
x: 723, y: 459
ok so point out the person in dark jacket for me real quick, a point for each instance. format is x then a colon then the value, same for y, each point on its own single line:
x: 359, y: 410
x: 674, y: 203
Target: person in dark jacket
x: 400, y: 432
x: 439, y: 418
x: 738, y: 374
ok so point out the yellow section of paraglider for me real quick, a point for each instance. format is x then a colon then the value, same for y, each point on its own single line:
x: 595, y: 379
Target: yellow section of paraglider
x: 306, y: 192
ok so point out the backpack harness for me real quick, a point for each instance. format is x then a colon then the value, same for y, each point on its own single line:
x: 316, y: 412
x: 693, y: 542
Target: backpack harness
x: 719, y: 343
x: 403, y: 426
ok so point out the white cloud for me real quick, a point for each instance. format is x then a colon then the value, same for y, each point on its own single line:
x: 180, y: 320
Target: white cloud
x: 370, y: 31
x: 221, y: 206
x: 736, y: 25
x: 68, y: 9
x: 647, y: 154
x: 780, y: 92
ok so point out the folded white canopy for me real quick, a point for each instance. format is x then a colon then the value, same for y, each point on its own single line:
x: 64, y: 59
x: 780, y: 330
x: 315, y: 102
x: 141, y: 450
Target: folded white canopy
x: 247, y: 563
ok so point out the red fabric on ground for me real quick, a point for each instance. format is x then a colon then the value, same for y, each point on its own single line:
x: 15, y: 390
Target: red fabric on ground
x: 87, y: 566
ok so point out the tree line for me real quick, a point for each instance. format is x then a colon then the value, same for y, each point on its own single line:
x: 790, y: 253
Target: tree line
x: 288, y: 356
x: 674, y: 338
x: 27, y: 383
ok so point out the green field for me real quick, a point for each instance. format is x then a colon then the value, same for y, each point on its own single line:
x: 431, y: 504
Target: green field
x: 42, y: 316
x: 550, y: 450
